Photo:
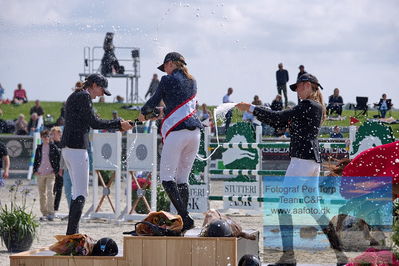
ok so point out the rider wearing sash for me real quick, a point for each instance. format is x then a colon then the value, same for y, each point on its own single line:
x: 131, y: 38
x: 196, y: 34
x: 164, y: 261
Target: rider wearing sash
x: 180, y: 131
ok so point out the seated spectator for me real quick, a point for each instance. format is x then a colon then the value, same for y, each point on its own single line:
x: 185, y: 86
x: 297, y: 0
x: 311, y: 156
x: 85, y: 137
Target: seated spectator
x: 2, y: 91
x: 101, y: 99
x: 21, y: 126
x: 336, y: 134
x: 384, y: 105
x: 335, y: 103
x: 109, y: 62
x: 119, y: 99
x: 38, y: 109
x: 115, y: 115
x: 33, y: 122
x: 256, y: 100
x: 19, y: 95
x: 277, y: 103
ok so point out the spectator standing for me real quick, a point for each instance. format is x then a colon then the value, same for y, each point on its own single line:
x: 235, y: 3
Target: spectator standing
x: 21, y: 126
x: 336, y: 134
x: 19, y: 95
x: 46, y: 165
x: 37, y: 108
x: 2, y: 91
x: 56, y: 134
x: 277, y: 103
x: 282, y: 79
x: 33, y: 122
x: 62, y: 110
x: 153, y: 86
x: 204, y: 115
x: 5, y: 160
x: 384, y: 105
x: 301, y: 71
x: 229, y: 114
x: 335, y: 103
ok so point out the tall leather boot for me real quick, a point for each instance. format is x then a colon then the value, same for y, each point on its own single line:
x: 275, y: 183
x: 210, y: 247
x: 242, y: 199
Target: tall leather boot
x: 329, y: 230
x: 75, y: 212
x: 184, y: 193
x: 174, y: 196
x: 287, y: 239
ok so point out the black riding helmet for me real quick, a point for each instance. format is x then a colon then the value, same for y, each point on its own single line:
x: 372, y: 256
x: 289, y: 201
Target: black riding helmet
x: 219, y: 228
x: 105, y: 247
x: 100, y: 80
x: 249, y: 260
x: 303, y: 78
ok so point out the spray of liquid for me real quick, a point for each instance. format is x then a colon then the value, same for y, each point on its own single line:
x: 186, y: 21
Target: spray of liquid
x: 219, y: 113
x: 129, y: 151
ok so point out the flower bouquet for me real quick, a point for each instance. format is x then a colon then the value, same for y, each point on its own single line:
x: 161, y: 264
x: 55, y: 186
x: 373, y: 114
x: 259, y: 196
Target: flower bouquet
x: 76, y: 245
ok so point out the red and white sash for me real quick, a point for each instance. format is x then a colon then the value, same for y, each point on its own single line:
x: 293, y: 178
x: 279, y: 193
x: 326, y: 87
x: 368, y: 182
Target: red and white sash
x: 181, y: 113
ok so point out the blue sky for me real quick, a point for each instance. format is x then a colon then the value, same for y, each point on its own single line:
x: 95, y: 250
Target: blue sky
x: 351, y: 45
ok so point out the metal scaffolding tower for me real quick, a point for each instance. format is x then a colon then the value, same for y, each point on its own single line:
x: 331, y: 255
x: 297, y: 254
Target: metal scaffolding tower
x: 130, y: 55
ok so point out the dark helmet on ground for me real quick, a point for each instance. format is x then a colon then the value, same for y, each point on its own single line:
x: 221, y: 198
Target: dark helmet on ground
x: 105, y: 247
x: 100, y: 80
x: 249, y: 260
x: 219, y: 228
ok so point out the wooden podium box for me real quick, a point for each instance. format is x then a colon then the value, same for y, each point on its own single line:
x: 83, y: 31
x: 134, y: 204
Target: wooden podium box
x: 152, y: 251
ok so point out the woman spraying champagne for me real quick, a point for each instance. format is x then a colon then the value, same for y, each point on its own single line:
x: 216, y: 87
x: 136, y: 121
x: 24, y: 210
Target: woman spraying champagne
x: 303, y: 121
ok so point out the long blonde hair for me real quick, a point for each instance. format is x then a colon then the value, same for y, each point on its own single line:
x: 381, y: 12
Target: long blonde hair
x: 318, y: 97
x: 180, y: 65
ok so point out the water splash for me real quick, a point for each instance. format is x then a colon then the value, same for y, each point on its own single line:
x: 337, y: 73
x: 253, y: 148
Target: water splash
x: 219, y: 113
x: 129, y: 150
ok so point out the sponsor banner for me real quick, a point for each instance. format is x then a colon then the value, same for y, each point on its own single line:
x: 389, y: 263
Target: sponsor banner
x: 283, y: 153
x: 250, y: 189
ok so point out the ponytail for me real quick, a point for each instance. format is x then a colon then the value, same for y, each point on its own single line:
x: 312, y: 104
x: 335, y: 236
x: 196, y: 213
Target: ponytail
x: 318, y: 97
x: 79, y: 85
x: 180, y: 65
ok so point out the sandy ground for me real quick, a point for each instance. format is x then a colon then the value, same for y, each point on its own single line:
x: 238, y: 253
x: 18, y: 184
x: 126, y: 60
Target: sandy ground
x: 102, y: 228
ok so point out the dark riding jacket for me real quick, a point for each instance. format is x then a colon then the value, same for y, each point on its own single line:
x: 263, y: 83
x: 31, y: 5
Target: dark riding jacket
x: 174, y: 90
x: 304, y: 124
x: 79, y: 118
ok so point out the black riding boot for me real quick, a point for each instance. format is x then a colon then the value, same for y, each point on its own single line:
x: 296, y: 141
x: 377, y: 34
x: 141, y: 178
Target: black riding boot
x: 287, y: 239
x: 57, y: 191
x: 174, y: 196
x: 329, y: 231
x: 75, y: 211
x: 184, y: 193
